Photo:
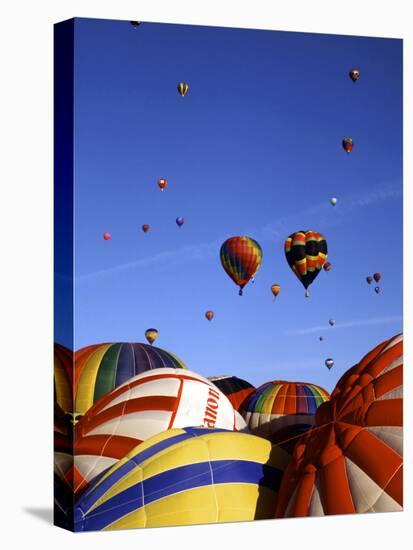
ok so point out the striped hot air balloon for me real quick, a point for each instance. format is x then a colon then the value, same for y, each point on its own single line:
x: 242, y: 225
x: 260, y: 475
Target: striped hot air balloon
x: 183, y: 88
x: 144, y: 406
x: 103, y: 367
x: 306, y: 253
x: 241, y: 258
x: 352, y: 462
x: 281, y: 411
x: 184, y: 477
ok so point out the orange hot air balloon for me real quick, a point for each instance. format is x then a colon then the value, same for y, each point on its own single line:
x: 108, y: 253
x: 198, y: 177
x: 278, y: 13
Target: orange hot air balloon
x: 209, y: 315
x: 145, y: 227
x: 348, y: 144
x: 162, y: 184
x: 275, y: 289
x: 354, y: 74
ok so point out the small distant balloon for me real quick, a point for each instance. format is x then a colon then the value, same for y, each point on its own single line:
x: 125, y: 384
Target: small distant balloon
x: 179, y: 221
x: 182, y: 88
x: 327, y: 266
x: 332, y: 322
x: 107, y: 236
x: 321, y: 338
x: 162, y: 184
x: 151, y: 334
x: 329, y: 363
x: 348, y: 144
x: 275, y: 289
x: 377, y: 290
x: 145, y: 227
x: 209, y: 315
x: 369, y: 279
x: 333, y: 201
x: 377, y: 277
x: 354, y: 74
x: 135, y: 23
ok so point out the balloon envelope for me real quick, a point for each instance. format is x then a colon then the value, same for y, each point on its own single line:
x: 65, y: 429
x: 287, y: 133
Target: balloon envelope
x: 275, y: 289
x: 145, y: 227
x: 306, y: 253
x: 107, y: 236
x: 354, y: 74
x: 348, y: 145
x: 162, y: 183
x: 182, y: 88
x: 151, y: 334
x: 241, y: 258
x: 209, y: 315
x: 369, y: 279
x: 377, y: 277
x: 333, y: 201
x: 179, y: 221
x: 328, y: 266
x: 236, y: 389
x: 329, y: 363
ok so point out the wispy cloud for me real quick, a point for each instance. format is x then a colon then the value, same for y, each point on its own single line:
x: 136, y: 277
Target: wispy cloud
x: 270, y: 231
x: 349, y: 324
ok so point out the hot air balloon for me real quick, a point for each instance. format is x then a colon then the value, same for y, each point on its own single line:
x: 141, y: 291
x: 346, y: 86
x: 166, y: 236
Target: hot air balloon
x: 135, y: 23
x: 241, y: 258
x: 377, y: 290
x: 348, y: 144
x: 329, y: 363
x: 162, y: 183
x: 331, y: 322
x: 182, y: 88
x: 184, y: 477
x: 142, y: 407
x: 369, y: 279
x: 306, y: 253
x: 236, y: 389
x: 377, y: 277
x: 352, y: 462
x: 151, y: 334
x: 179, y: 221
x: 101, y: 368
x: 333, y: 201
x: 275, y: 289
x: 327, y: 266
x: 321, y: 338
x: 107, y: 236
x: 145, y: 227
x: 281, y: 411
x: 209, y: 315
x: 354, y: 74
x: 63, y: 378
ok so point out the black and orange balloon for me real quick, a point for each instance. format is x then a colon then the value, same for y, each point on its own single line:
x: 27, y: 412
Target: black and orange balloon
x: 241, y: 258
x: 354, y: 74
x: 306, y: 253
x: 275, y: 289
x: 209, y: 315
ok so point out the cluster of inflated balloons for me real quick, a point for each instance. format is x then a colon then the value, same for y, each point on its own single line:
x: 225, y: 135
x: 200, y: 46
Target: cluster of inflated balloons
x: 141, y: 441
x: 376, y: 277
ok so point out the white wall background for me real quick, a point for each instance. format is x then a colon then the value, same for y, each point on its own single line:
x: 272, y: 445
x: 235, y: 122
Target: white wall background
x: 26, y: 308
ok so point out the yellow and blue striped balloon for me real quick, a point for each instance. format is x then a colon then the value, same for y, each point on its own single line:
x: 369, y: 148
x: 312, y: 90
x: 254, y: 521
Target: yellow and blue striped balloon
x: 184, y: 477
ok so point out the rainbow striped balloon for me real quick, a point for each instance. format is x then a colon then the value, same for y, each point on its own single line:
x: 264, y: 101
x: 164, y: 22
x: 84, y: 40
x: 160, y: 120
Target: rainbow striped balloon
x: 281, y: 411
x: 184, y: 477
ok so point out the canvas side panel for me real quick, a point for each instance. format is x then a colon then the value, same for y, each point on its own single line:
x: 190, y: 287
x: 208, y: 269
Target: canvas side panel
x: 63, y: 272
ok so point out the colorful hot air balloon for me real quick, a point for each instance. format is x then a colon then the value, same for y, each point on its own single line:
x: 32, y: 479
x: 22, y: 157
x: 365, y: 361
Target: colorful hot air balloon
x: 352, y: 462
x: 306, y: 253
x: 377, y: 277
x: 63, y: 378
x: 145, y: 227
x: 348, y: 145
x: 182, y: 88
x: 333, y: 201
x: 184, y: 477
x: 331, y: 322
x: 107, y: 236
x: 275, y: 289
x: 101, y: 368
x: 327, y: 266
x: 329, y: 363
x: 236, y: 389
x: 369, y: 279
x: 241, y: 258
x: 146, y: 405
x: 179, y: 221
x: 209, y: 315
x: 281, y: 411
x: 377, y: 290
x: 151, y: 334
x: 162, y: 183
x: 354, y: 74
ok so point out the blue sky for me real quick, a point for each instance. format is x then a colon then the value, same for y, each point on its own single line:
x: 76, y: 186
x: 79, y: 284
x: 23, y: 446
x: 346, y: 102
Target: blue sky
x: 253, y: 149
